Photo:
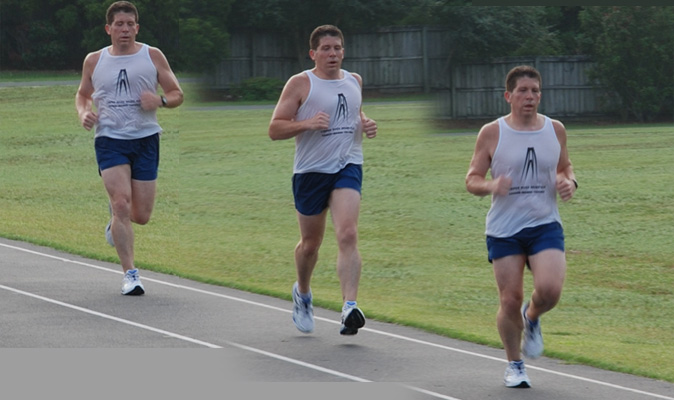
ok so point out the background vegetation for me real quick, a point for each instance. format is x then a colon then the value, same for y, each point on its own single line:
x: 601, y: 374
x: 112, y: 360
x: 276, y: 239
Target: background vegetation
x: 632, y: 46
x: 224, y: 212
x: 224, y: 215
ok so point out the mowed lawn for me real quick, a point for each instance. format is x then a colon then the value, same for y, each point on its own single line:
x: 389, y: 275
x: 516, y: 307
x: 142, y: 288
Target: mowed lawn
x: 225, y: 215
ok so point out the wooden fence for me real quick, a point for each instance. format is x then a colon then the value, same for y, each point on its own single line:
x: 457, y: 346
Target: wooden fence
x: 396, y: 59
x: 476, y: 90
x: 414, y: 59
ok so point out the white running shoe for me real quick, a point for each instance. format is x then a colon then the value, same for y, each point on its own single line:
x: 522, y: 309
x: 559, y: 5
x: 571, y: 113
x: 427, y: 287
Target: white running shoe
x: 303, y: 311
x: 131, y: 285
x: 516, y: 375
x: 532, y: 338
x: 352, y: 320
x: 108, y: 233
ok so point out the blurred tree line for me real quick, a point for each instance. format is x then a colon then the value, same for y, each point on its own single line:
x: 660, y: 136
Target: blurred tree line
x: 633, y: 47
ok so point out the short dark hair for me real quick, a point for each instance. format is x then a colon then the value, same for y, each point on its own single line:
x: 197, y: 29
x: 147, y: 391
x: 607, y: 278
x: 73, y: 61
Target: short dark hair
x: 120, y: 6
x: 321, y: 31
x: 519, y: 72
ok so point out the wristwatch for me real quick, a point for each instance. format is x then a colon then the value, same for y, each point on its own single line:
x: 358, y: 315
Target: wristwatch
x: 164, y: 102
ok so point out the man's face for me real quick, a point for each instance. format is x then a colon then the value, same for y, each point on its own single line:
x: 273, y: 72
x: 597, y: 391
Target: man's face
x: 329, y: 54
x: 526, y: 96
x: 123, y: 30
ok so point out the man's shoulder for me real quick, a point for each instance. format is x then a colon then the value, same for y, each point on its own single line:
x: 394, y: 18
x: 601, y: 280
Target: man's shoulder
x: 298, y: 81
x: 356, y: 76
x: 557, y: 124
x: 153, y: 50
x: 490, y: 127
x: 156, y: 55
x: 489, y: 133
x: 92, y: 58
x: 559, y: 128
x: 301, y: 76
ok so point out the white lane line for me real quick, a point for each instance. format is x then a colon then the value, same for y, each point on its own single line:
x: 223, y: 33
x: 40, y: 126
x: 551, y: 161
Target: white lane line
x: 111, y: 317
x: 530, y: 367
x: 400, y: 337
x: 211, y: 345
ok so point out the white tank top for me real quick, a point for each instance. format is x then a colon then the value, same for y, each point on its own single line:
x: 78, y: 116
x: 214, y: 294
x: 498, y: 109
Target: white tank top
x: 118, y: 82
x: 329, y: 151
x: 530, y: 158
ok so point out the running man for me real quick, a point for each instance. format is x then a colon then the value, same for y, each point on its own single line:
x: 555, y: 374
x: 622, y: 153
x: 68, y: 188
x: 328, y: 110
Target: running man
x: 321, y: 109
x: 118, y: 96
x: 527, y: 155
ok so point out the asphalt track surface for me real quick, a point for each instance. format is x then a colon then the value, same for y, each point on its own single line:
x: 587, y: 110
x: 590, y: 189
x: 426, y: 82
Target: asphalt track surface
x: 67, y: 329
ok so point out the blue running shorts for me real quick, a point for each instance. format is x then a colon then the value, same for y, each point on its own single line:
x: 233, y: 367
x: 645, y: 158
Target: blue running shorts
x: 312, y: 189
x: 141, y: 154
x: 528, y: 241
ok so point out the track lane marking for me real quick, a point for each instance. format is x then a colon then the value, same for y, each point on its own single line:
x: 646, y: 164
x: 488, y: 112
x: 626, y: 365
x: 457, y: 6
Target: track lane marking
x: 383, y: 333
x: 215, y: 346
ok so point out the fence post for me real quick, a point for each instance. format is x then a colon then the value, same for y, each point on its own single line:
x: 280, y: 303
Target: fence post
x: 253, y: 54
x: 452, y: 85
x: 424, y: 50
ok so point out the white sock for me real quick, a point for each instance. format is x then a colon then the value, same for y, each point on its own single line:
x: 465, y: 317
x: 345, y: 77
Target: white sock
x: 349, y: 305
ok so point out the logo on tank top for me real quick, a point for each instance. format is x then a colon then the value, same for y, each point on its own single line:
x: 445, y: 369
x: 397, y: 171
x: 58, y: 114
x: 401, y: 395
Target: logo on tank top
x: 530, y: 168
x: 342, y: 112
x: 122, y: 82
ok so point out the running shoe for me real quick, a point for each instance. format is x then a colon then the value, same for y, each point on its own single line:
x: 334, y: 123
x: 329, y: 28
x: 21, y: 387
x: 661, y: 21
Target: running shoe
x: 131, y: 285
x: 516, y: 375
x: 303, y: 311
x: 532, y: 339
x: 108, y: 232
x: 352, y: 320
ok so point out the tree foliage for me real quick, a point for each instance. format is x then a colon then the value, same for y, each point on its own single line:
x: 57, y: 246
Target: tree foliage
x: 37, y: 34
x: 487, y: 32
x: 57, y: 34
x: 203, y: 34
x: 633, y: 50
x: 302, y: 16
x: 632, y: 46
x: 194, y: 33
x: 158, y: 25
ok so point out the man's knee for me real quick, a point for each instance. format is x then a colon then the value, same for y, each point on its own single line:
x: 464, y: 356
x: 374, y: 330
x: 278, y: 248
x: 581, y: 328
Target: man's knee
x: 309, y: 247
x: 141, y: 220
x: 511, y: 304
x: 547, y: 296
x: 347, y: 236
x: 141, y: 217
x: 121, y: 206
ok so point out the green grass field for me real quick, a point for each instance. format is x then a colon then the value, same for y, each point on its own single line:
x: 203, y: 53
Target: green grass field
x: 32, y: 76
x: 225, y: 215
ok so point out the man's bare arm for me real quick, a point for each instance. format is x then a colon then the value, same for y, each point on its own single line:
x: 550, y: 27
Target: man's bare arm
x: 476, y: 178
x: 283, y: 124
x: 83, y: 100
